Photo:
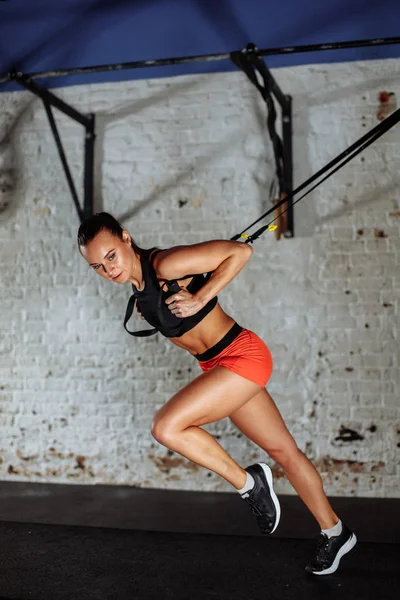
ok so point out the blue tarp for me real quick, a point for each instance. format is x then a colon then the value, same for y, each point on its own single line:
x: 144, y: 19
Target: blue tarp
x: 39, y: 35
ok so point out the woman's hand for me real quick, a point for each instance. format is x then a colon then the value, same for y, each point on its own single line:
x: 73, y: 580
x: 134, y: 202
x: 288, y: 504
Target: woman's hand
x: 223, y: 258
x: 184, y: 304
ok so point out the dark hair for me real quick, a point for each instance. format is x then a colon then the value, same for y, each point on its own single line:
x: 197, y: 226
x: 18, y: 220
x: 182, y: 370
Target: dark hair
x: 103, y: 221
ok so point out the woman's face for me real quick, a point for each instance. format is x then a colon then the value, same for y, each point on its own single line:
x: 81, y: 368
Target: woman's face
x: 111, y: 257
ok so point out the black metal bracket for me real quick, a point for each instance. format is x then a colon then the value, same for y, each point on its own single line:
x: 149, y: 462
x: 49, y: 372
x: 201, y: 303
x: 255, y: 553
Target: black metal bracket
x: 88, y: 121
x: 287, y: 134
x: 250, y: 62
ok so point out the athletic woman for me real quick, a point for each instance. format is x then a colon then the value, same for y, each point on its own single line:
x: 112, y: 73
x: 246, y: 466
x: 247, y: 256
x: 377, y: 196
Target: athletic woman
x: 174, y: 296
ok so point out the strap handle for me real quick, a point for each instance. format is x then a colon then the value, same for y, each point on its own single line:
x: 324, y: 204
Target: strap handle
x: 128, y: 314
x: 174, y: 287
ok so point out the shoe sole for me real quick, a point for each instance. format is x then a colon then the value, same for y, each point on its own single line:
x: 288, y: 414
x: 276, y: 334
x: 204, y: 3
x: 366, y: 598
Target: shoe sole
x: 349, y: 545
x: 269, y: 478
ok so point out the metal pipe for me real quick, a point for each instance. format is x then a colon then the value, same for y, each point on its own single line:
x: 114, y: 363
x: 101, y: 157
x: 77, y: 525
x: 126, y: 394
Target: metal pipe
x: 207, y: 58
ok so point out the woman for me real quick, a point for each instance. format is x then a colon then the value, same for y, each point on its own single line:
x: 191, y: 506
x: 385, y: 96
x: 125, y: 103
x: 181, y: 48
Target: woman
x: 236, y: 367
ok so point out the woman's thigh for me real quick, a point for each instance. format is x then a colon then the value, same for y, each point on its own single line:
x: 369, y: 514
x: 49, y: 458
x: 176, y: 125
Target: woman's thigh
x: 260, y: 420
x: 208, y: 398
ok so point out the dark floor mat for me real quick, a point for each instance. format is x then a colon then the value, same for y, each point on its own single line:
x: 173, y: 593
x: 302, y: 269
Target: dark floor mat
x: 48, y: 562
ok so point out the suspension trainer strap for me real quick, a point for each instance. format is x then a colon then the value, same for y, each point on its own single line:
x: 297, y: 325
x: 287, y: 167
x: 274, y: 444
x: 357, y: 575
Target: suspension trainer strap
x: 250, y: 62
x: 128, y: 314
x: 342, y: 164
x: 347, y: 155
x: 174, y: 287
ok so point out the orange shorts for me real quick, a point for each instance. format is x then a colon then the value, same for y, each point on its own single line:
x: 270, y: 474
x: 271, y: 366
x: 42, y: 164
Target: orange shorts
x: 242, y: 352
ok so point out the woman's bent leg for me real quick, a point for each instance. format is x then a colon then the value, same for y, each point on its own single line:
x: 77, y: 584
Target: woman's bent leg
x: 260, y: 420
x: 209, y: 398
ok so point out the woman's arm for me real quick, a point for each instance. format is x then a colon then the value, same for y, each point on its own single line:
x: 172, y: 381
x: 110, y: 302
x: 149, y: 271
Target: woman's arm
x: 224, y: 258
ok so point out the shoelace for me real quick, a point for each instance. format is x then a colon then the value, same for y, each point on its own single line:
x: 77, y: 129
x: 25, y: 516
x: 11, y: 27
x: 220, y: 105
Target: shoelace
x: 322, y: 545
x: 250, y: 501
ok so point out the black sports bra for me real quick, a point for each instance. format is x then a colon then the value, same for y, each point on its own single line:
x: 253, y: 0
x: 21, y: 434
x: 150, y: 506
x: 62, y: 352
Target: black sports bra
x: 151, y: 302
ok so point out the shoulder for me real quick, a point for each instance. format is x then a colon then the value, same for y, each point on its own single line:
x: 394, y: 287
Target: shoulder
x: 199, y: 258
x: 178, y: 261
x: 161, y: 259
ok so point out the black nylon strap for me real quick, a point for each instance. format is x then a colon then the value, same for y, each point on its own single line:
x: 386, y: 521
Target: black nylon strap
x: 343, y: 158
x: 128, y: 314
x: 250, y: 62
x: 174, y: 287
x: 260, y: 231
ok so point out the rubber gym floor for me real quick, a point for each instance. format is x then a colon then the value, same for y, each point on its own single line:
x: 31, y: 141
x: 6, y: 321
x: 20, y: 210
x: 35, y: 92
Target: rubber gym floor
x: 112, y: 543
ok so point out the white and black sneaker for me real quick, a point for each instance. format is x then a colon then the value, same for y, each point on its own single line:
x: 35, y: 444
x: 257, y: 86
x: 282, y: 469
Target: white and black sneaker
x: 262, y: 498
x: 330, y: 551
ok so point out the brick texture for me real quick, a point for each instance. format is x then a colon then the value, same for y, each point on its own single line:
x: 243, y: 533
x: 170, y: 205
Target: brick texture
x: 180, y: 161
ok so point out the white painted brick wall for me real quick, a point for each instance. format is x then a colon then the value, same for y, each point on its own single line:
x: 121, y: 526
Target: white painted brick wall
x: 77, y: 394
